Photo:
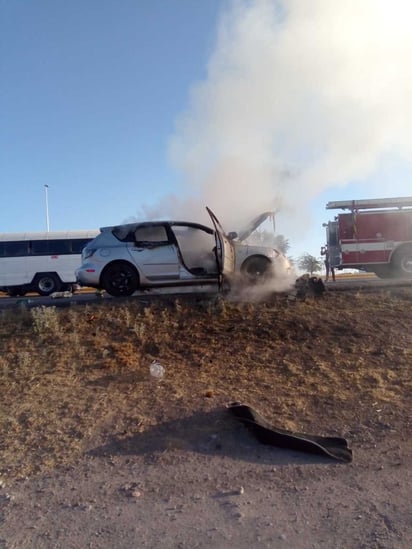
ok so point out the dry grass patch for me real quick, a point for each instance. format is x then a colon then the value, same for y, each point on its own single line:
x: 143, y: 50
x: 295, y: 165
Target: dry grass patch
x: 72, y: 377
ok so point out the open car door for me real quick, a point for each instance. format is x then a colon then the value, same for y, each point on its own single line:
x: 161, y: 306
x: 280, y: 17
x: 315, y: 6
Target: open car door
x: 225, y: 252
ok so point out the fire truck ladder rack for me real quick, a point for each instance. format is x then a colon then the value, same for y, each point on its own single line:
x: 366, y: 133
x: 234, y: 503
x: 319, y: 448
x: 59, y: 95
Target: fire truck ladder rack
x: 372, y: 204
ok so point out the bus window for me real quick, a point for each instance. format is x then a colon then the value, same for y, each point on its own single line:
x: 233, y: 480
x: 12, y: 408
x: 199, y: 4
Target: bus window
x: 50, y: 247
x: 17, y: 248
x: 77, y: 245
x: 60, y: 247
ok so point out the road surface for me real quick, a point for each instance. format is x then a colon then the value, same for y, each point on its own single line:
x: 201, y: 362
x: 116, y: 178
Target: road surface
x: 342, y: 283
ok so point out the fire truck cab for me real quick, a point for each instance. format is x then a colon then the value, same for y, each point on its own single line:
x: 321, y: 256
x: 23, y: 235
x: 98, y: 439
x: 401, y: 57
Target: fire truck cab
x: 374, y: 236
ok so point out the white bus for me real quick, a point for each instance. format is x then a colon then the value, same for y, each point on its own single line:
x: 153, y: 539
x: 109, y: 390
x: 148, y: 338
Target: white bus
x: 41, y: 262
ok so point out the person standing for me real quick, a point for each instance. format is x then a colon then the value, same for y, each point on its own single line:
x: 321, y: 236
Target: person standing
x: 330, y: 269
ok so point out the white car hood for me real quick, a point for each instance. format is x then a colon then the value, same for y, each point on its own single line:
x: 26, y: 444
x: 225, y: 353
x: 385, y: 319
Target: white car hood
x: 254, y: 224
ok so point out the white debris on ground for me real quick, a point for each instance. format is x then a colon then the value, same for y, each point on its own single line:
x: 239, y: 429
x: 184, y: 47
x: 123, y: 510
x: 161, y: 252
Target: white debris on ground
x: 58, y: 295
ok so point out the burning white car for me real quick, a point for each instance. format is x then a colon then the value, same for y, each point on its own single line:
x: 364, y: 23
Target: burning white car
x: 160, y: 254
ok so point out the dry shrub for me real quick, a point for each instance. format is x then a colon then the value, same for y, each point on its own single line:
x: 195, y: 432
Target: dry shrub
x: 45, y: 320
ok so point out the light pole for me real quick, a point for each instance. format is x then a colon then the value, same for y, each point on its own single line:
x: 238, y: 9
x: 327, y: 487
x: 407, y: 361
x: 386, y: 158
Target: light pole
x: 46, y: 188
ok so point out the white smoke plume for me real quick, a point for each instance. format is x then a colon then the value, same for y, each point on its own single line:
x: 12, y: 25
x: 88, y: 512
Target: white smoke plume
x: 300, y: 96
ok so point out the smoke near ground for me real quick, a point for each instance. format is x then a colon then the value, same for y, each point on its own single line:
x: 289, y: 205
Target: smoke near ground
x: 300, y: 96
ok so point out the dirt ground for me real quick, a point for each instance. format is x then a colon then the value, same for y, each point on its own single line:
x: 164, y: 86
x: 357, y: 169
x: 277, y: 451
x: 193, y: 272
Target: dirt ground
x: 96, y: 452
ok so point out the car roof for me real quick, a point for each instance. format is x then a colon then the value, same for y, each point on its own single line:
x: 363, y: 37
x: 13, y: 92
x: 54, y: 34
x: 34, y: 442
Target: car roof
x: 136, y: 224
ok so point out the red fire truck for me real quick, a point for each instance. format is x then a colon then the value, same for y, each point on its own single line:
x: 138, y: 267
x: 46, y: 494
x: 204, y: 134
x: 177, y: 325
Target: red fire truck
x: 374, y: 235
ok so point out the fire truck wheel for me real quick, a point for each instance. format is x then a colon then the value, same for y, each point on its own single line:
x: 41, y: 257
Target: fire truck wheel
x: 385, y: 271
x: 402, y: 261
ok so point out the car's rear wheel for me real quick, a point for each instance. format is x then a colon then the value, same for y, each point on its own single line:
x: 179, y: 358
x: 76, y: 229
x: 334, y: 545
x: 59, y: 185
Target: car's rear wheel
x: 256, y: 269
x: 46, y: 283
x: 120, y: 278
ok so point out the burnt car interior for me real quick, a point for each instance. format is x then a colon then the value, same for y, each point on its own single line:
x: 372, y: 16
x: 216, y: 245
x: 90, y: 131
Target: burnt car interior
x: 195, y: 244
x: 197, y: 249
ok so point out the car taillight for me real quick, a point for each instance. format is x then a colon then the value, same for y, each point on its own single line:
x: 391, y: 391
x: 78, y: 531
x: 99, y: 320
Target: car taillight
x: 87, y: 252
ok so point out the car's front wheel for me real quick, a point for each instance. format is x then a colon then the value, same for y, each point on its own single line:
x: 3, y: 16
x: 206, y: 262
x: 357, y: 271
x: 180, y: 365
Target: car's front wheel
x: 256, y: 269
x: 120, y: 279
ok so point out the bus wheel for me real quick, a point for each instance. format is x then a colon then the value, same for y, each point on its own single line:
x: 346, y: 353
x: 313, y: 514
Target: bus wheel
x: 46, y: 284
x: 402, y: 261
x: 120, y: 278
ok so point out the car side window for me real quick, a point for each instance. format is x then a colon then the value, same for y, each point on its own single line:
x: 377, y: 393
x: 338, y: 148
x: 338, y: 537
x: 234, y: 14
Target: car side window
x: 150, y: 236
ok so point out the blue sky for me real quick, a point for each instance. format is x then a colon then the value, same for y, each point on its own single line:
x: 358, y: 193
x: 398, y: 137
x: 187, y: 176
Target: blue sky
x: 90, y: 91
x: 116, y: 106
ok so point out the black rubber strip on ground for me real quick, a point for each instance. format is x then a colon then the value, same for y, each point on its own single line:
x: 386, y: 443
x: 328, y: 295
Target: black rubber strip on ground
x: 333, y: 447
